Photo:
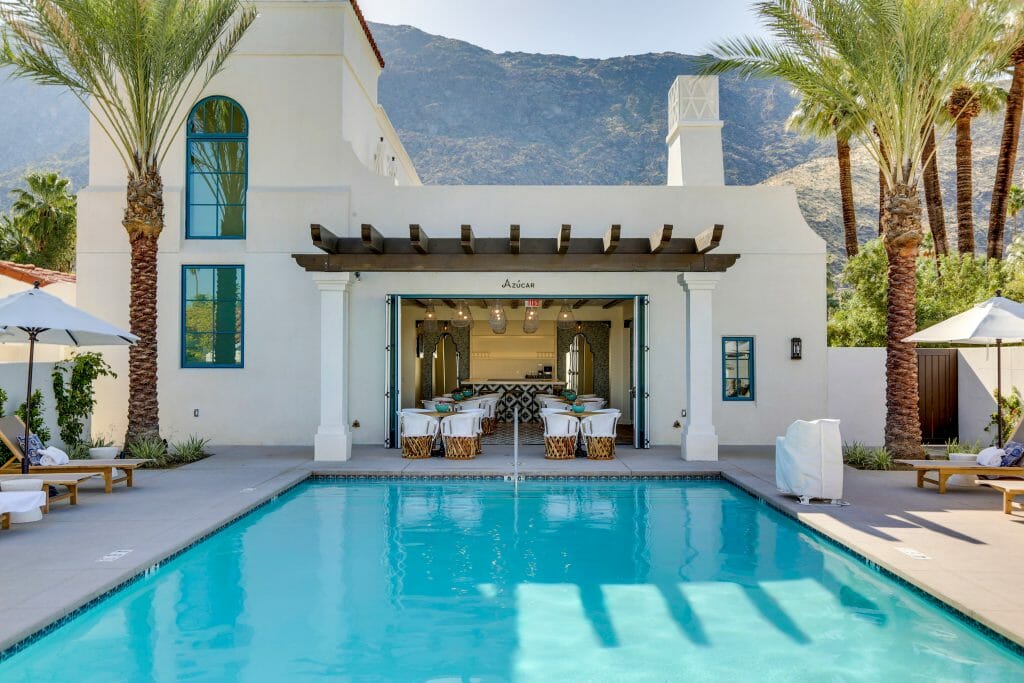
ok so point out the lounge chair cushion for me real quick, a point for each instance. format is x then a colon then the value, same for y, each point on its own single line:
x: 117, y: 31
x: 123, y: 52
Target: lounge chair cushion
x: 34, y: 446
x: 1014, y: 453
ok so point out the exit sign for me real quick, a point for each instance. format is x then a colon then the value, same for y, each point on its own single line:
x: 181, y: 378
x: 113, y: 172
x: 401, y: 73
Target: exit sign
x: 533, y: 303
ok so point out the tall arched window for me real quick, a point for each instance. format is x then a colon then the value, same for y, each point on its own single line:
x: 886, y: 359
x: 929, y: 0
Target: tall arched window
x: 218, y: 164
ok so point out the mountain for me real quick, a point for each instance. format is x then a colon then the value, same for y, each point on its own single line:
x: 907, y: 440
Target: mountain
x: 471, y: 116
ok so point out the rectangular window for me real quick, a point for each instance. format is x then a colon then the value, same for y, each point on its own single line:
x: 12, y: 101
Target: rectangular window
x: 217, y: 180
x: 737, y: 368
x: 212, y: 316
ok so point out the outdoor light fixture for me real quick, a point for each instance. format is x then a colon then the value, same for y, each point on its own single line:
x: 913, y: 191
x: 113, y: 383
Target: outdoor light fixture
x: 566, y: 320
x: 497, y: 319
x: 796, y: 348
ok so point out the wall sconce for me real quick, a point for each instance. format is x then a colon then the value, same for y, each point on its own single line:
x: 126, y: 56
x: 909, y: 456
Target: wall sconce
x: 796, y: 348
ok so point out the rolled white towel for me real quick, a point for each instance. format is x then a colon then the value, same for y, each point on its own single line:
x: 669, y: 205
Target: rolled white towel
x: 51, y: 455
x: 991, y: 457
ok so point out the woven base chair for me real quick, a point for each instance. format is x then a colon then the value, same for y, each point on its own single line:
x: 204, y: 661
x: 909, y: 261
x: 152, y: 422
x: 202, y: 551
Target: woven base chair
x: 599, y: 435
x: 461, y: 440
x: 560, y: 433
x: 418, y: 435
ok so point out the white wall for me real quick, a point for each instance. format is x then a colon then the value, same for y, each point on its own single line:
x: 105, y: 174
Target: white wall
x: 13, y: 377
x: 976, y: 380
x: 856, y: 393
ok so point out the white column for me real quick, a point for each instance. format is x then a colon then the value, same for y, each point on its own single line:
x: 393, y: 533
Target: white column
x: 333, y: 439
x: 700, y: 441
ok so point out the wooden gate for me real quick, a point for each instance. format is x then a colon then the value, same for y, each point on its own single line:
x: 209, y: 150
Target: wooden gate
x: 937, y: 392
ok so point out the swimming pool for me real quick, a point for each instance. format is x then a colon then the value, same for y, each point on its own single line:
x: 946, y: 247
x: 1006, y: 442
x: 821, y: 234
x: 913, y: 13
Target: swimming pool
x: 407, y: 580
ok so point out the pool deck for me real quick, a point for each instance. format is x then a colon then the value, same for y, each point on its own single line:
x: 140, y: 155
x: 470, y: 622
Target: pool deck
x: 972, y: 551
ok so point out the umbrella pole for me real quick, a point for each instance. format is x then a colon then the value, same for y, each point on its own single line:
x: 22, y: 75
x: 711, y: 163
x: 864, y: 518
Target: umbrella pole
x: 28, y: 400
x: 999, y: 391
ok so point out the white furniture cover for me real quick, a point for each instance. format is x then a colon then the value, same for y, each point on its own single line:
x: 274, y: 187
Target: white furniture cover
x: 459, y: 425
x: 809, y: 460
x: 560, y: 425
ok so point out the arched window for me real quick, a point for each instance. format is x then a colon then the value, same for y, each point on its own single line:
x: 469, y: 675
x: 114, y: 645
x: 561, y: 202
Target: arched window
x: 217, y: 174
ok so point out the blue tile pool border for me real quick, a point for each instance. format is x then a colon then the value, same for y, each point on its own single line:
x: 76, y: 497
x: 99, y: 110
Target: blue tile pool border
x: 142, y: 574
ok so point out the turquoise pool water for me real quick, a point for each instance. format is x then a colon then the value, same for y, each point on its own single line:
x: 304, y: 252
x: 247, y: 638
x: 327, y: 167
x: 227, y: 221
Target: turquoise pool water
x: 412, y: 580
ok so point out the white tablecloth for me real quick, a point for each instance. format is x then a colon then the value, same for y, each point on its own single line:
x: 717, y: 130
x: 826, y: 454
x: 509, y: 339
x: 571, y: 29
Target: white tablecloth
x: 21, y: 501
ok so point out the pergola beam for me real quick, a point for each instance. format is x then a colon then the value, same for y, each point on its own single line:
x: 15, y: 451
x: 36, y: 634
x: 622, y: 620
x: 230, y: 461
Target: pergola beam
x: 660, y: 238
x: 324, y: 239
x: 564, y: 236
x: 580, y: 303
x: 513, y: 239
x: 612, y: 304
x: 372, y: 239
x: 419, y: 240
x: 618, y: 262
x: 611, y: 239
x: 468, y: 240
x: 709, y: 239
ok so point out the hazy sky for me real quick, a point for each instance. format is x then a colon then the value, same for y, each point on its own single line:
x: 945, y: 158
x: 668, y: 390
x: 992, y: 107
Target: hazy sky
x: 583, y: 28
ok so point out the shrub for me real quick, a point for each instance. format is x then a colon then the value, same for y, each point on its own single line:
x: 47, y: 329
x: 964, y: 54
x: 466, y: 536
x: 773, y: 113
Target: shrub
x: 191, y: 449
x: 1011, y: 403
x: 78, y: 451
x: 180, y: 453
x: 957, y: 446
x: 149, y: 447
x: 73, y: 391
x: 36, y: 423
x: 856, y: 454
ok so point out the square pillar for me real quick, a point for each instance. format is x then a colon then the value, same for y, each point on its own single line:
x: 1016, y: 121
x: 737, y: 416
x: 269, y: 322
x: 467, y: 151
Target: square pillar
x: 700, y: 440
x: 333, y: 439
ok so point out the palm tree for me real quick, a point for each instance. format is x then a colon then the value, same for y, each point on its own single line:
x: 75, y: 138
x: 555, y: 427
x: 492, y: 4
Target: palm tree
x: 894, y: 63
x: 44, y: 212
x: 1007, y: 155
x: 1014, y: 205
x: 965, y: 103
x: 136, y: 65
x: 824, y: 119
x: 933, y: 194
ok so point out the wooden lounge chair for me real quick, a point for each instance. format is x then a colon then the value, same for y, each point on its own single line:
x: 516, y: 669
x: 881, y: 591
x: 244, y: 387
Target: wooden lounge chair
x: 11, y: 427
x: 1010, y: 490
x: 69, y: 480
x: 944, y: 469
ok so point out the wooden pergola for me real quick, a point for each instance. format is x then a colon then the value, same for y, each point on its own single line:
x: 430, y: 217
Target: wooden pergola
x: 660, y: 252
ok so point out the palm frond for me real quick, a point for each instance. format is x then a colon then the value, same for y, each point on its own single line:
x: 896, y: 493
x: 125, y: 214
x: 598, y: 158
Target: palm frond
x: 134, y: 64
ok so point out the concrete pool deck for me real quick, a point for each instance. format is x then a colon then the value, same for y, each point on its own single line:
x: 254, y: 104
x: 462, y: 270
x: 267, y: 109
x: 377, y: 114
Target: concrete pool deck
x: 973, y: 551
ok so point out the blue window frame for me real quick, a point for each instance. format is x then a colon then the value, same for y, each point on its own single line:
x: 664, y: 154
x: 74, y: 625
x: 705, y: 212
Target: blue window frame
x: 738, y: 368
x: 217, y: 173
x: 212, y: 316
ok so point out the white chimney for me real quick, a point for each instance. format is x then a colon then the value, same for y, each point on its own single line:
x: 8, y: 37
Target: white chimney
x: 694, y: 133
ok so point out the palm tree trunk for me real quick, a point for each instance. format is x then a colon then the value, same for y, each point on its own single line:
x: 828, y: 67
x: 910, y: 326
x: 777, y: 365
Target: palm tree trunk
x: 964, y: 187
x: 933, y: 195
x: 846, y: 195
x: 1007, y: 157
x: 881, y: 186
x: 902, y: 241
x: 144, y: 220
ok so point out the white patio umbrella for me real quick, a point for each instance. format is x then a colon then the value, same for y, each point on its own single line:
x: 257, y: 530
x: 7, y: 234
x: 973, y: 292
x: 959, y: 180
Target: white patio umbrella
x: 995, y: 321
x: 36, y: 317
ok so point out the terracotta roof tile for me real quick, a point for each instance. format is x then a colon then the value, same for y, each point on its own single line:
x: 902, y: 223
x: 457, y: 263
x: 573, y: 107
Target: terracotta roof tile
x: 369, y: 35
x: 26, y: 272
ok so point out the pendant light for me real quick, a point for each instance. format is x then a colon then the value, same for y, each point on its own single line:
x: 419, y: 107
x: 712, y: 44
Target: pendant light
x: 463, y: 316
x: 496, y: 318
x: 531, y: 323
x: 566, y: 320
x: 430, y: 319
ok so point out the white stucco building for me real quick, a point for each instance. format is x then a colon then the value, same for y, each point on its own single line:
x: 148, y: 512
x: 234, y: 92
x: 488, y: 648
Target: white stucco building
x: 267, y: 339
